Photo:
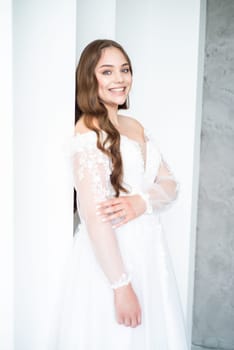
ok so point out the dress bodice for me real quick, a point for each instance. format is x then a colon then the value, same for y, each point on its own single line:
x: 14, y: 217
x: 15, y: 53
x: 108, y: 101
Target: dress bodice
x: 140, y: 161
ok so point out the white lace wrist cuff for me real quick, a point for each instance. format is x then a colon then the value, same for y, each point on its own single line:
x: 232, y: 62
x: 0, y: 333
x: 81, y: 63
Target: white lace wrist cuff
x: 145, y: 197
x: 123, y: 281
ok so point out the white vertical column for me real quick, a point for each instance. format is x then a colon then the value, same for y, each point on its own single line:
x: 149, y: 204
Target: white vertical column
x: 162, y: 39
x: 6, y: 183
x: 95, y: 20
x: 196, y: 162
x: 44, y: 69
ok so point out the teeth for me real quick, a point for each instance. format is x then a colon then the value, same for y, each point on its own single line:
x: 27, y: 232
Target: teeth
x: 117, y: 89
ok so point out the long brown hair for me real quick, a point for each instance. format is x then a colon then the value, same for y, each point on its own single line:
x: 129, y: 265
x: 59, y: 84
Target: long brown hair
x: 89, y: 106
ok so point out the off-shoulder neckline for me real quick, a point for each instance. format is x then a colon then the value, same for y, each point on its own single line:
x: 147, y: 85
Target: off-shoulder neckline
x: 91, y: 132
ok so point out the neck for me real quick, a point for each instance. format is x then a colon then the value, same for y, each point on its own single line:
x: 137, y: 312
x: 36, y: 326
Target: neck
x: 113, y: 115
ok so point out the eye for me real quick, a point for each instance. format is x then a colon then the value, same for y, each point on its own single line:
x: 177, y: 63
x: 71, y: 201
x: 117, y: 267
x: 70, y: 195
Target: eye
x: 125, y: 70
x: 106, y: 72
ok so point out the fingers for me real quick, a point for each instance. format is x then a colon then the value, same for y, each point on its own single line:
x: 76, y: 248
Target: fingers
x: 123, y: 218
x: 116, y: 215
x: 120, y: 214
x: 121, y: 210
x: 115, y: 208
x: 130, y: 321
x: 110, y: 202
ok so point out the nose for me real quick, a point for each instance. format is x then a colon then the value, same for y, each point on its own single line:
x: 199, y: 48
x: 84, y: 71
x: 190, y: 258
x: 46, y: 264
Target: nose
x: 119, y: 77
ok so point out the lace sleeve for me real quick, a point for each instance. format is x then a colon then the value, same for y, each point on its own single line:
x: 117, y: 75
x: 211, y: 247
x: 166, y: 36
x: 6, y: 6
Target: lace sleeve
x: 91, y: 171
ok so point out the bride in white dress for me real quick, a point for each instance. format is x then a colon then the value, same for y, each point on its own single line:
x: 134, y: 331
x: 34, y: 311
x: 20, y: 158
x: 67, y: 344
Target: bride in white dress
x: 120, y: 291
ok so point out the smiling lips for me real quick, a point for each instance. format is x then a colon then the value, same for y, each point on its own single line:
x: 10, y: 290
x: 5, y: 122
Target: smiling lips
x: 119, y: 89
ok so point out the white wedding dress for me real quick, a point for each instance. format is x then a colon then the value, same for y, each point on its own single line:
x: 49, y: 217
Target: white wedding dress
x: 102, y: 255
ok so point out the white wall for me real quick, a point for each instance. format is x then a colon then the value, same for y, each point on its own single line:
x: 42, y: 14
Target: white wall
x: 44, y: 65
x: 95, y: 19
x: 6, y: 183
x: 162, y: 39
x: 196, y: 162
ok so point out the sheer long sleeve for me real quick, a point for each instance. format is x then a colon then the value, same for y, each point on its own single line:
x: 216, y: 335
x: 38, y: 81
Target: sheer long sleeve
x: 164, y: 190
x: 91, y: 169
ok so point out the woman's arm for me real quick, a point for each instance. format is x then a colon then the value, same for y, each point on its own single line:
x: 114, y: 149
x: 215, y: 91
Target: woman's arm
x: 91, y: 178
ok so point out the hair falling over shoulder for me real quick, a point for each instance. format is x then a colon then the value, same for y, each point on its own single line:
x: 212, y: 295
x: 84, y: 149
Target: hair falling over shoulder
x: 89, y: 106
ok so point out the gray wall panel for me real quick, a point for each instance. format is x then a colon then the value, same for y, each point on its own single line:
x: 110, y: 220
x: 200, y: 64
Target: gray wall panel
x: 213, y: 322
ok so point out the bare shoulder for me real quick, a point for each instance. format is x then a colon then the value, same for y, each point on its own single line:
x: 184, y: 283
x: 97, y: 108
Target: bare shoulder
x: 131, y: 122
x: 80, y: 127
x: 131, y: 125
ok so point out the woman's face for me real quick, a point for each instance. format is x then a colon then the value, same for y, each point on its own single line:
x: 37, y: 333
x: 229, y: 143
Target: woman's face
x: 113, y: 76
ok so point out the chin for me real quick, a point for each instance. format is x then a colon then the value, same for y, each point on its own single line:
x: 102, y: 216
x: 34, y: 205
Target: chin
x: 121, y: 101
x: 115, y: 103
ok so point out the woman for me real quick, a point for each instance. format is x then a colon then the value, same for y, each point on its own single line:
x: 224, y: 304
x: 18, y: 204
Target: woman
x: 120, y: 293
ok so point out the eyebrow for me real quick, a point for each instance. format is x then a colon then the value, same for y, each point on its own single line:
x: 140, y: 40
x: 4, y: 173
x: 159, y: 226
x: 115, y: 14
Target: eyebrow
x: 110, y: 65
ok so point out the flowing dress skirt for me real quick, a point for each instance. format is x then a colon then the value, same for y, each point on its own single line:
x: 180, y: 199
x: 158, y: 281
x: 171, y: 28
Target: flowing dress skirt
x: 87, y: 319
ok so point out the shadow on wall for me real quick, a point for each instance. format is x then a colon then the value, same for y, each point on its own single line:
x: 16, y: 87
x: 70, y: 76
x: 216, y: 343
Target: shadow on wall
x: 76, y: 219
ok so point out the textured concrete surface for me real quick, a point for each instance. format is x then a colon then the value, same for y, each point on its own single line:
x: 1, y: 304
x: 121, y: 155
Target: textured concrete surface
x: 213, y: 322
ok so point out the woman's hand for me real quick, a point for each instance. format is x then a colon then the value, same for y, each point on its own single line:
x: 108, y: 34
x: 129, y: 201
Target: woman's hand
x: 124, y: 208
x: 127, y: 307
